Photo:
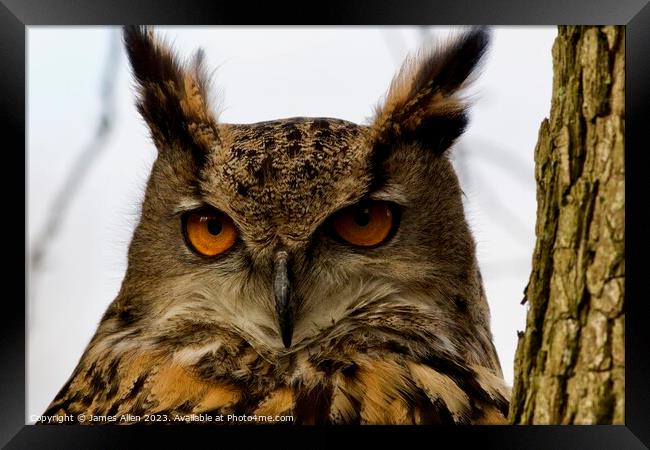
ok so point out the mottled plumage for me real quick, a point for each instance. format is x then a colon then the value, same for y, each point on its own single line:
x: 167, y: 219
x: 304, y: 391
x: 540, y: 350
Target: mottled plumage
x: 291, y: 319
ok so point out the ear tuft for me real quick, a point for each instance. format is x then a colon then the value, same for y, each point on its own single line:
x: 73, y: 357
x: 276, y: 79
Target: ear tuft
x: 150, y: 60
x: 423, y: 103
x: 173, y: 97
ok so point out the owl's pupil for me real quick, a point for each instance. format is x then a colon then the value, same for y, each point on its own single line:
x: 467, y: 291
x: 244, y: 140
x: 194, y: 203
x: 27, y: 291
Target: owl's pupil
x: 214, y: 226
x: 362, y: 217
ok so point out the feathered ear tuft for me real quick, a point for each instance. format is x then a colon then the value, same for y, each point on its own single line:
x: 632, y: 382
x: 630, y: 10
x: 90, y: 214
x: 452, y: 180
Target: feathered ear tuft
x: 173, y: 97
x: 423, y: 103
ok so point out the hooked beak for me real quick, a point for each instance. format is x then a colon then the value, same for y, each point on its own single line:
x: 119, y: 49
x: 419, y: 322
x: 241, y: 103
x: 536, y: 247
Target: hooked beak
x: 282, y: 293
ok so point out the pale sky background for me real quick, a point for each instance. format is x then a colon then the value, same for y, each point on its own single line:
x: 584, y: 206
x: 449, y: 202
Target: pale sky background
x: 263, y: 73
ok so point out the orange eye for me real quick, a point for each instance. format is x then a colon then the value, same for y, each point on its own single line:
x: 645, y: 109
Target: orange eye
x: 366, y: 224
x: 210, y: 232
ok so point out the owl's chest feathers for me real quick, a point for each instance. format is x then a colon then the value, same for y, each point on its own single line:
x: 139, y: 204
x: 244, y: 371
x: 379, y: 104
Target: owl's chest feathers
x: 361, y: 378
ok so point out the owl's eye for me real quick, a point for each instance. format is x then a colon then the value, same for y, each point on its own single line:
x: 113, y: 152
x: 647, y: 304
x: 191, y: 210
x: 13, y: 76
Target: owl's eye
x: 365, y: 225
x: 209, y: 232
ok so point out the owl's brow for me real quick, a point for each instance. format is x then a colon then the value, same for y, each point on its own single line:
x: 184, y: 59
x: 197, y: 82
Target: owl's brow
x: 187, y: 204
x: 391, y: 192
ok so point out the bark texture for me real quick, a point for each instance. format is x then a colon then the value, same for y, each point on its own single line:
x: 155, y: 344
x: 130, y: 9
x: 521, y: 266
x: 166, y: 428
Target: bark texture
x: 569, y: 364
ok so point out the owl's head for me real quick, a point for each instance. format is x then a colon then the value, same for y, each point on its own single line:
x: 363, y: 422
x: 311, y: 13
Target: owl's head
x: 290, y: 230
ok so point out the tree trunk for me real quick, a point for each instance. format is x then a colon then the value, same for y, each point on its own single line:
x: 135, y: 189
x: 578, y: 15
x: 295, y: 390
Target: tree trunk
x: 569, y: 365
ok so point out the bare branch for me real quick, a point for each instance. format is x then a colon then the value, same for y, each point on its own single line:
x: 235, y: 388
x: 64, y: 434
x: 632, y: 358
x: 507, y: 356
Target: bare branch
x: 86, y: 157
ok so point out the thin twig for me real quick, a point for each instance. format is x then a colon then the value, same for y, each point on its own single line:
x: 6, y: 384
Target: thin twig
x: 396, y: 49
x: 505, y: 158
x: 86, y: 158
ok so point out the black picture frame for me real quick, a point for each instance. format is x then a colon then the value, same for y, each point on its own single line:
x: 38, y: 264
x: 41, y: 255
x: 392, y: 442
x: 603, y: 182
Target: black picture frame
x: 16, y: 15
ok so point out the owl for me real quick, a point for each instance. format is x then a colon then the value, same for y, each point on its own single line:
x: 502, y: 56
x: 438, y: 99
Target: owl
x: 309, y: 267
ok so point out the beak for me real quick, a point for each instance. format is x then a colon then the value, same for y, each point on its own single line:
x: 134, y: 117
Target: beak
x: 282, y: 293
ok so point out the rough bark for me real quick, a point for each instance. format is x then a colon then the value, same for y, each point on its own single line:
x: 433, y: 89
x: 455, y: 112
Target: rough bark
x: 569, y: 364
